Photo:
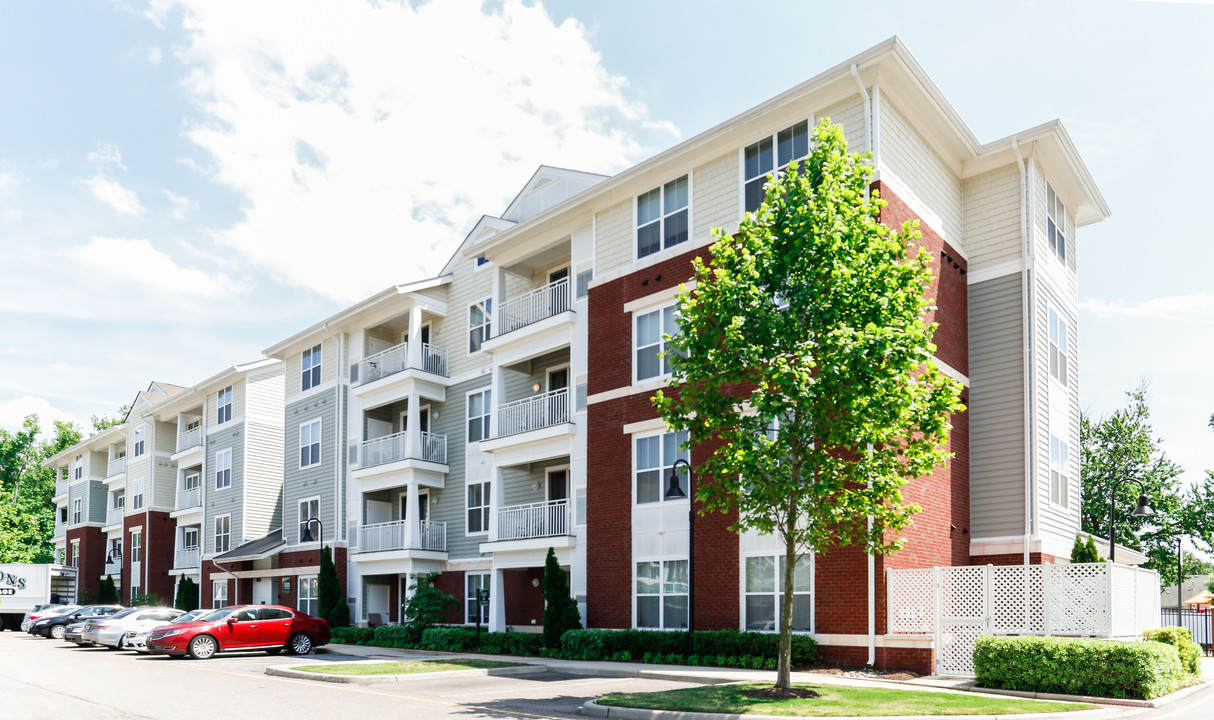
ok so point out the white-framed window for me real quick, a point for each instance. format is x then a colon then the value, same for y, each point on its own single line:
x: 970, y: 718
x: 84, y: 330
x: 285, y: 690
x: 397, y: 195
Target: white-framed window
x: 115, y: 552
x: 137, y: 493
x: 119, y: 501
x: 764, y: 582
x: 653, y: 460
x: 193, y: 425
x: 77, y: 511
x: 308, y: 509
x: 223, y: 410
x: 223, y: 533
x: 189, y: 538
x: 480, y: 323
x: 136, y: 546
x: 480, y: 405
x: 138, y: 441
x: 219, y: 594
x: 76, y: 554
x: 648, y: 343
x: 772, y: 154
x: 474, y: 583
x: 661, y: 594
x: 309, y: 595
x: 136, y: 591
x: 478, y: 507
x: 63, y: 515
x: 482, y: 261
x: 192, y: 481
x: 310, y: 374
x: 1055, y: 222
x: 78, y: 467
x: 309, y: 444
x: 1058, y: 347
x: 662, y: 217
x: 223, y: 469
x: 1060, y: 463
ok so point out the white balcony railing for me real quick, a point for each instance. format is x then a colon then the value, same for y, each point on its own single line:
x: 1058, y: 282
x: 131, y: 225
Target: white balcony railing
x: 391, y: 448
x: 61, y: 486
x: 186, y: 558
x: 391, y: 536
x: 543, y: 302
x: 117, y: 466
x: 113, y: 568
x: 396, y: 359
x: 533, y: 413
x: 537, y: 520
x: 191, y: 498
x: 189, y: 439
x: 114, y: 515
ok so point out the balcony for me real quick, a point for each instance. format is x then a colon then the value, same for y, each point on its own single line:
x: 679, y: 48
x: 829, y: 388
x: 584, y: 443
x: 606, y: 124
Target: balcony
x: 533, y: 413
x: 532, y: 324
x: 117, y: 466
x: 186, y: 558
x: 539, y: 304
x: 392, y: 448
x: 396, y: 359
x: 191, y: 498
x: 189, y: 439
x: 114, y: 515
x: 113, y: 568
x: 61, y: 487
x: 381, y: 537
x: 536, y: 520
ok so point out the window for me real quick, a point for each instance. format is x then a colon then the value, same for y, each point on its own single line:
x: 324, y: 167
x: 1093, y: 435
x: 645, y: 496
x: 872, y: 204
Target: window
x: 308, y: 509
x: 223, y: 533
x: 791, y: 143
x: 309, y: 595
x: 479, y: 404
x: 478, y: 507
x: 223, y: 469
x: 480, y: 322
x: 77, y: 511
x: 192, y: 481
x: 193, y: 425
x: 475, y: 583
x: 78, y: 467
x: 309, y: 444
x: 137, y: 494
x: 63, y: 515
x: 1059, y: 472
x: 311, y: 369
x: 482, y: 260
x: 662, y: 217
x: 136, y: 591
x: 661, y: 593
x: 1058, y: 351
x: 655, y: 457
x: 764, y: 581
x: 115, y: 552
x: 650, y: 345
x: 1055, y: 222
x: 189, y: 538
x: 219, y: 594
x: 138, y: 449
x: 119, y: 501
x: 75, y: 554
x: 137, y: 546
x: 224, y: 408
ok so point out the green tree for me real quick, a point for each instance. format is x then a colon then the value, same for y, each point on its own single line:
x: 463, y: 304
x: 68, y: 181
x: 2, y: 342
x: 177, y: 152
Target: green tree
x: 27, y: 514
x: 426, y: 606
x: 1084, y: 550
x: 331, y: 603
x: 101, y: 422
x: 107, y: 592
x: 560, y: 609
x: 187, y: 594
x: 805, y: 359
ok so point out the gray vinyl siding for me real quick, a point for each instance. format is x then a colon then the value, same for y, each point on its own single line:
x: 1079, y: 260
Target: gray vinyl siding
x: 1055, y: 519
x: 230, y: 500
x: 452, y: 499
x: 519, y: 481
x: 95, y: 503
x: 78, y: 490
x: 318, y: 480
x: 517, y: 386
x: 996, y: 408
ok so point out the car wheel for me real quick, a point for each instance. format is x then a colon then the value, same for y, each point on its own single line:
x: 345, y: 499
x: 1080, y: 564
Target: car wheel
x: 58, y: 632
x: 301, y: 644
x: 203, y: 647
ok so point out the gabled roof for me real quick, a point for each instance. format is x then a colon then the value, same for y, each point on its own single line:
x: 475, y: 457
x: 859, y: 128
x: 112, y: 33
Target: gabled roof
x: 560, y: 183
x: 259, y: 549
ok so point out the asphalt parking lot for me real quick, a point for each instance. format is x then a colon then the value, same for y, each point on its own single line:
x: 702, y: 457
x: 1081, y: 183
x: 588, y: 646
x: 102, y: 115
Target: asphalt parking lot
x: 42, y: 678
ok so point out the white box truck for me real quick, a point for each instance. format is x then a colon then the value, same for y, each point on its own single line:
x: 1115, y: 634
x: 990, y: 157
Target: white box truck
x: 24, y: 586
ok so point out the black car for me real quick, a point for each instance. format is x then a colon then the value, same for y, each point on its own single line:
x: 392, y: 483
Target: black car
x: 55, y: 626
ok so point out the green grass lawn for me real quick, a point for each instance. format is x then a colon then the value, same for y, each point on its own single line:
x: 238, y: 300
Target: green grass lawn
x: 403, y: 668
x: 834, y: 701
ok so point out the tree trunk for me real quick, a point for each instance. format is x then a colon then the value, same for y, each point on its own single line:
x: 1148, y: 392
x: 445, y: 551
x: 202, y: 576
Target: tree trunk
x: 784, y: 661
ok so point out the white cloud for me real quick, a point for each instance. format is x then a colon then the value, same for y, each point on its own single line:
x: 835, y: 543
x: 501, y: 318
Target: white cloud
x: 154, y: 55
x: 135, y: 261
x: 8, y: 183
x: 367, y: 139
x: 106, y: 154
x: 14, y: 412
x: 180, y: 205
x: 1197, y: 308
x: 122, y: 199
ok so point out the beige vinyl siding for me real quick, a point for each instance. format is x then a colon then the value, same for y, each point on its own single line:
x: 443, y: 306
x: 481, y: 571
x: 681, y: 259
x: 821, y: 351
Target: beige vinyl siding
x: 615, y: 236
x: 467, y: 286
x: 264, y: 396
x: 96, y: 464
x: 916, y: 164
x: 992, y: 217
x: 716, y: 196
x: 996, y: 408
x: 849, y: 114
x: 263, y: 477
x: 238, y: 405
x: 448, y: 505
x: 293, y: 367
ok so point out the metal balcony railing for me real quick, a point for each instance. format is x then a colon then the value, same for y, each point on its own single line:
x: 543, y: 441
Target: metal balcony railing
x: 186, y: 558
x: 189, y: 439
x: 114, y: 515
x: 391, y: 536
x: 533, y: 413
x: 391, y: 448
x: 191, y: 498
x: 117, y: 466
x: 434, y: 359
x: 543, y: 302
x: 536, y: 520
x: 396, y: 359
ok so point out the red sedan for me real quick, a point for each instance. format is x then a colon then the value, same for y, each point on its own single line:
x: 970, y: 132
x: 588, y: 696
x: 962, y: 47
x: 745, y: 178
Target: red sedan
x: 272, y: 628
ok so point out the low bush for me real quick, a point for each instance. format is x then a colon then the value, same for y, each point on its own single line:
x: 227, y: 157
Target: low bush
x: 352, y: 635
x: 498, y: 643
x: 394, y: 636
x: 1078, y: 667
x: 712, y: 647
x: 1182, y: 640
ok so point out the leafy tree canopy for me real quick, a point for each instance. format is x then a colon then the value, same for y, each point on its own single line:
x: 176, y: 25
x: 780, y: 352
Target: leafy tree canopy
x: 27, y: 514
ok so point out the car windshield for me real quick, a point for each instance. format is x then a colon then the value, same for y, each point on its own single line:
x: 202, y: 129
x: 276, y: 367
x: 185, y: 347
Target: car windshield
x: 215, y: 615
x: 64, y: 610
x: 124, y: 613
x: 189, y: 617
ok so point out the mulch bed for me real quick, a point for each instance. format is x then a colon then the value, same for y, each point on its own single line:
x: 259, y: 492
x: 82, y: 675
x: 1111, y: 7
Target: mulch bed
x: 773, y: 693
x: 864, y: 673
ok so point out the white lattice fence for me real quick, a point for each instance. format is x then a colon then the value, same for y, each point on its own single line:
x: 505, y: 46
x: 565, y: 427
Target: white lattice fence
x: 912, y: 593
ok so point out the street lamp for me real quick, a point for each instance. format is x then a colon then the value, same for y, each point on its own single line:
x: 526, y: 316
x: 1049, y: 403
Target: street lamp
x: 674, y: 492
x: 307, y: 533
x: 1143, y: 510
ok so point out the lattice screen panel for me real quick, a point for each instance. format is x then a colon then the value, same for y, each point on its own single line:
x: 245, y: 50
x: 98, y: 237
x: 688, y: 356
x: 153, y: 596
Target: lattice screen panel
x: 911, y: 601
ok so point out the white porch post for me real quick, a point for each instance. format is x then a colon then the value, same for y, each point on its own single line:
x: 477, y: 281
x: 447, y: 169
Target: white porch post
x: 496, y: 384
x: 413, y: 419
x: 499, y: 299
x: 497, y: 497
x: 412, y: 516
x: 497, y: 602
x: 414, y: 351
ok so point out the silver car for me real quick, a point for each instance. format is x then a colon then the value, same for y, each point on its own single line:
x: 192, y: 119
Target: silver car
x: 138, y: 641
x: 112, y: 631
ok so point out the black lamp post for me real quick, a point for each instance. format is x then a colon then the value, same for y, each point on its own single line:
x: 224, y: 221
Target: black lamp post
x: 307, y: 533
x: 1143, y: 510
x: 674, y: 492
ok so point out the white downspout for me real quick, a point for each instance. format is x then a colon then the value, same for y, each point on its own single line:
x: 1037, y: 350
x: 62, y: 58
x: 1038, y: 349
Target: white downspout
x: 1026, y: 355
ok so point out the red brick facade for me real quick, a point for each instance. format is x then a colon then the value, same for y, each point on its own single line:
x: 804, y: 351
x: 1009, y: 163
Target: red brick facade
x: 92, y: 559
x: 279, y: 596
x: 157, y: 551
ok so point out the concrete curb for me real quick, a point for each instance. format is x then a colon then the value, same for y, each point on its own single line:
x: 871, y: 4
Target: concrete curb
x: 291, y: 672
x: 593, y: 709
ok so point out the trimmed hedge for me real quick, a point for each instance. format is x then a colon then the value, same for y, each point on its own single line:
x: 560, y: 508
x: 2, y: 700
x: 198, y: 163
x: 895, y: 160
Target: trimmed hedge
x: 498, y: 643
x: 1181, y: 639
x: 1078, y: 667
x: 351, y: 635
x: 712, y: 647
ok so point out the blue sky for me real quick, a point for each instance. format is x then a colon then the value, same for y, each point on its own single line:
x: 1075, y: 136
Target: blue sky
x: 183, y: 184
